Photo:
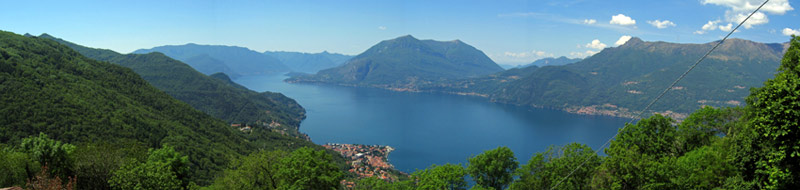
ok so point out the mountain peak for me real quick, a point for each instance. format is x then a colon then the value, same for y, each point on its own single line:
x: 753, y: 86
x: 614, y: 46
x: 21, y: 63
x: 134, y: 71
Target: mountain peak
x: 633, y: 41
x: 406, y: 37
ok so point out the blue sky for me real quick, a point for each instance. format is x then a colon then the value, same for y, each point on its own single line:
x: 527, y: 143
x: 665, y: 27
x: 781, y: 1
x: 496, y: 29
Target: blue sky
x: 510, y: 32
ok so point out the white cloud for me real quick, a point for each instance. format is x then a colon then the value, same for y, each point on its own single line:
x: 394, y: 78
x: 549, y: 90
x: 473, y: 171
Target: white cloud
x: 711, y: 25
x: 739, y: 9
x: 622, y: 40
x: 595, y: 44
x: 714, y: 25
x: 381, y: 28
x: 789, y: 32
x: 726, y: 28
x: 520, y: 57
x: 774, y: 6
x: 757, y: 19
x: 589, y: 21
x: 622, y: 20
x: 661, y: 24
x: 587, y: 53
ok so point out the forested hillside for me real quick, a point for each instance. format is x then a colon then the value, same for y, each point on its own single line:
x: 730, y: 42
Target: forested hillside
x: 218, y: 97
x: 621, y: 79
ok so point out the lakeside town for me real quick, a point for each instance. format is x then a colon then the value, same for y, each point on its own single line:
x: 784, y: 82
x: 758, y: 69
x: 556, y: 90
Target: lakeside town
x: 367, y: 160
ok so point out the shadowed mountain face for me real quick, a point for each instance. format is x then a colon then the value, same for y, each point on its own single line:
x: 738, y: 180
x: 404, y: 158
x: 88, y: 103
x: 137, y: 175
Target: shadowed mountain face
x: 309, y: 62
x: 240, y: 61
x: 405, y: 62
x: 619, y: 80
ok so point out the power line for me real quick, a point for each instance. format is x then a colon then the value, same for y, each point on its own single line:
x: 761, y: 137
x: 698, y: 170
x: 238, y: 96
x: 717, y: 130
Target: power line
x: 662, y: 93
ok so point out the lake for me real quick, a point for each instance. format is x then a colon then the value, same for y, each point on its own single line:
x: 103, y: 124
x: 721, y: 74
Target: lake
x: 431, y: 128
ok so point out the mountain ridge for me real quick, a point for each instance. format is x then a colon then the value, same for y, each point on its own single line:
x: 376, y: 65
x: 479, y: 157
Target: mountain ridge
x: 404, y: 62
x: 621, y: 79
x: 241, y: 60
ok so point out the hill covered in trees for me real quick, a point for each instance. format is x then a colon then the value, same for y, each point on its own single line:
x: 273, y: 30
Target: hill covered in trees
x: 215, y: 95
x: 621, y: 79
x: 111, y: 113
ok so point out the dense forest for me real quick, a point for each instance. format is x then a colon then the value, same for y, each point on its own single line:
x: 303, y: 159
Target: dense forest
x: 73, y: 122
x: 109, y: 114
x: 217, y: 96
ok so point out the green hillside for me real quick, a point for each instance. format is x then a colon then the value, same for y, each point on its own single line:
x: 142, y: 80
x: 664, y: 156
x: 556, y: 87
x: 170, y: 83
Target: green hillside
x: 622, y: 79
x: 218, y: 97
x: 48, y: 87
x: 406, y: 62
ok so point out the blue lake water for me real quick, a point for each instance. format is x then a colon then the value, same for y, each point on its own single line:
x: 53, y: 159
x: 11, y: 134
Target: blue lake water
x: 430, y: 128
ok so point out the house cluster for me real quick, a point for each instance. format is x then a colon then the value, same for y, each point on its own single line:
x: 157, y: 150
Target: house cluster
x: 366, y: 160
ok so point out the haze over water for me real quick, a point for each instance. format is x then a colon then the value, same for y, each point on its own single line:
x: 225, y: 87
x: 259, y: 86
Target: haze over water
x: 428, y: 128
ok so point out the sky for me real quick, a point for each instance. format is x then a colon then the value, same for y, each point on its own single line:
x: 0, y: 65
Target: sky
x: 510, y: 32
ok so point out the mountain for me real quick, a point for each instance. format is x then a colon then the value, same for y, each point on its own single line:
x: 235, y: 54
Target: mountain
x: 404, y: 62
x: 207, y: 65
x: 309, y: 62
x: 620, y: 80
x: 50, y: 88
x: 550, y: 61
x: 240, y: 61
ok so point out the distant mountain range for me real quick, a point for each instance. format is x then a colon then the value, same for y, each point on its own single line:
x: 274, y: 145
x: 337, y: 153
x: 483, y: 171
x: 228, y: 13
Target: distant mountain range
x: 238, y: 61
x: 550, y: 61
x: 309, y: 62
x: 619, y: 80
x: 241, y: 61
x: 404, y: 62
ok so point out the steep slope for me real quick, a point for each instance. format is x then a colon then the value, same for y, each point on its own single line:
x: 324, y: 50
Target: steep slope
x: 241, y: 61
x: 405, y: 62
x: 219, y: 97
x: 309, y: 62
x: 622, y: 79
x: 48, y: 87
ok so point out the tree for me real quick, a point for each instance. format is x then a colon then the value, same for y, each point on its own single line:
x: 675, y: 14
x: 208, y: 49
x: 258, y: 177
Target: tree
x: 15, y: 166
x: 165, y: 168
x: 370, y: 183
x: 95, y: 163
x: 493, y: 168
x: 448, y: 176
x: 774, y: 112
x: 57, y: 156
x: 640, y: 157
x: 308, y: 169
x: 256, y: 171
x: 546, y: 169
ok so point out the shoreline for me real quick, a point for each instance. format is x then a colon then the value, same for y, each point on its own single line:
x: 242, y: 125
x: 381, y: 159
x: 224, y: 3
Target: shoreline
x: 592, y: 110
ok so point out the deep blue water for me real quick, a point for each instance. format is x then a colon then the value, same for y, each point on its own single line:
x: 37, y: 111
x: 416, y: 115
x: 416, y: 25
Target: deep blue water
x: 429, y: 128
